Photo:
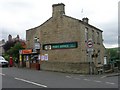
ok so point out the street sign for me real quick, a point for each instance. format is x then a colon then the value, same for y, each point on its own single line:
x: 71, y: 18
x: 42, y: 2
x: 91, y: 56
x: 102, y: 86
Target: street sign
x: 37, y: 45
x: 90, y: 44
x: 90, y: 52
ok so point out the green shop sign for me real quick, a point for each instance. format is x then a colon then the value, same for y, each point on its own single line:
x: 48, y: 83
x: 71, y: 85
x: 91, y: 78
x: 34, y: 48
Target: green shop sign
x: 66, y: 45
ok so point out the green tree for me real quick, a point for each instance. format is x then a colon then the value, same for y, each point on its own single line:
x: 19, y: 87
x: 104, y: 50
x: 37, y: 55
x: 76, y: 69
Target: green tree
x: 8, y: 45
x: 14, y: 51
x: 113, y: 52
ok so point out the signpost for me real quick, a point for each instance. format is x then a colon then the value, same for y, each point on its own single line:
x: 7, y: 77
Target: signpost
x: 90, y: 51
x: 90, y: 43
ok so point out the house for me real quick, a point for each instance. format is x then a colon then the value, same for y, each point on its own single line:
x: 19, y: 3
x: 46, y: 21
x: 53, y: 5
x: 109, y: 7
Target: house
x: 2, y: 42
x: 70, y: 44
x: 17, y: 39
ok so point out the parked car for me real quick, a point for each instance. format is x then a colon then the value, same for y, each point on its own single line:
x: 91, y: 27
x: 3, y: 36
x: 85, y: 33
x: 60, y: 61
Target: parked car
x: 3, y: 62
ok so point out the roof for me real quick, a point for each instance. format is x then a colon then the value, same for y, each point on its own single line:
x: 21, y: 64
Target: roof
x: 71, y: 18
x: 84, y: 23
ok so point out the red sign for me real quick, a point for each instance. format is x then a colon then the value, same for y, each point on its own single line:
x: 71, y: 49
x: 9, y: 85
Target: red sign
x: 90, y: 44
x: 28, y: 51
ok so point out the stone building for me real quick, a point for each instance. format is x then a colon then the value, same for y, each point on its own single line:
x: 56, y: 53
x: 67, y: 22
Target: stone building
x: 2, y: 42
x: 64, y: 40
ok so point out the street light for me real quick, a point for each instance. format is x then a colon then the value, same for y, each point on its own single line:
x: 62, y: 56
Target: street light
x: 36, y: 43
x: 37, y: 50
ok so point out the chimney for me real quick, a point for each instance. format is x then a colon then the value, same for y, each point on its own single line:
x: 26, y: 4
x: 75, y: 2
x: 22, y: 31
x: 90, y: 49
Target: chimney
x: 18, y: 37
x: 85, y: 20
x: 10, y: 37
x: 3, y: 41
x: 58, y: 10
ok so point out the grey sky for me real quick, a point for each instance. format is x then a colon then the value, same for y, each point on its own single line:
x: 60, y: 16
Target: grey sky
x: 17, y: 16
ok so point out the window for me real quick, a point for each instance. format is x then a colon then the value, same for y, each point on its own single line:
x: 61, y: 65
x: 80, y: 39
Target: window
x: 98, y: 38
x: 86, y: 34
x: 99, y: 60
x: 93, y: 37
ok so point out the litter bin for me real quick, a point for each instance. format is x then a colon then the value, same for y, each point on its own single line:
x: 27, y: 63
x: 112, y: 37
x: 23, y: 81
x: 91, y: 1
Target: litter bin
x: 37, y: 66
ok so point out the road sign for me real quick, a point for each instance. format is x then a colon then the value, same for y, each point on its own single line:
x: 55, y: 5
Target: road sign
x: 90, y: 44
x: 90, y: 52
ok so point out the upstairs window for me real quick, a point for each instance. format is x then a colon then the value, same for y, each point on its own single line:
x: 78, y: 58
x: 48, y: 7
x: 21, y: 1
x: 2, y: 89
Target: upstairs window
x: 99, y: 55
x: 86, y: 34
x: 98, y: 38
x: 93, y: 36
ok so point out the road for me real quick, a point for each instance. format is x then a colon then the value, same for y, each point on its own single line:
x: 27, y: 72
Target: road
x: 25, y: 78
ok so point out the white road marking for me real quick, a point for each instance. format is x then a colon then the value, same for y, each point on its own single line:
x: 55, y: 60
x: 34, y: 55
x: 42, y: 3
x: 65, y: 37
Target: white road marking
x: 86, y: 79
x: 97, y: 81
x: 110, y: 83
x: 81, y: 75
x: 30, y: 82
x: 2, y: 74
x: 103, y: 76
x: 77, y: 78
x: 68, y: 76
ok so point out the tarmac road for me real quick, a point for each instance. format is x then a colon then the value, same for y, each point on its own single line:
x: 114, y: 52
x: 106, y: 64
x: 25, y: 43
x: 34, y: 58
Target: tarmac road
x: 26, y: 78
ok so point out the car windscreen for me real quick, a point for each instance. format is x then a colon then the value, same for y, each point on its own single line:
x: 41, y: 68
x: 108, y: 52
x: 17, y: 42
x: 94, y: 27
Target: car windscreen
x: 1, y: 58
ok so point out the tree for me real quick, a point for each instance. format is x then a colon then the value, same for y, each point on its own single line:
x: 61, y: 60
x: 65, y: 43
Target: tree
x: 8, y: 45
x: 113, y: 52
x: 14, y: 51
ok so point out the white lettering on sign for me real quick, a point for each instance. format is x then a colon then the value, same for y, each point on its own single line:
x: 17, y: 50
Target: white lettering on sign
x: 42, y: 58
x: 89, y: 44
x: 46, y: 57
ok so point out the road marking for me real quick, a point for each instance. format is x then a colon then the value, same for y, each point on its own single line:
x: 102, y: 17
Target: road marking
x: 81, y: 75
x: 77, y: 78
x: 2, y: 74
x: 30, y: 82
x: 86, y: 79
x: 97, y: 81
x: 110, y: 83
x: 103, y: 76
x: 68, y: 76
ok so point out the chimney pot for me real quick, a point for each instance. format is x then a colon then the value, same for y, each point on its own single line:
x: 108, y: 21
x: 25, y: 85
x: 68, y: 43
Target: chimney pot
x: 85, y: 20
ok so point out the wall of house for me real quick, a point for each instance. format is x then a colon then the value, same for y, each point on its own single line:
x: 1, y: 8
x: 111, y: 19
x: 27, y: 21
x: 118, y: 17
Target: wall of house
x: 2, y: 42
x: 61, y: 29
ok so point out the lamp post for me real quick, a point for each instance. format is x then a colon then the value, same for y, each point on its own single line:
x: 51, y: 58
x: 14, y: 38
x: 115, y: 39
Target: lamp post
x: 37, y: 50
x: 36, y: 44
x: 118, y: 57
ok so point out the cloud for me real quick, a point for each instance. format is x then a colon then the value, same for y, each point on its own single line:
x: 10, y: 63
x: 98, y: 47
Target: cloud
x: 17, y: 16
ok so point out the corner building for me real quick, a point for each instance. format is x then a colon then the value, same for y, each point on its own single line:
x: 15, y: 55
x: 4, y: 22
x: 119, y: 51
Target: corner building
x: 64, y: 40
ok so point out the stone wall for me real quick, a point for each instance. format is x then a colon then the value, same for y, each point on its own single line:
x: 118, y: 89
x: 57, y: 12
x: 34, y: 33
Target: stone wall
x: 69, y: 67
x: 61, y: 29
x: 2, y: 42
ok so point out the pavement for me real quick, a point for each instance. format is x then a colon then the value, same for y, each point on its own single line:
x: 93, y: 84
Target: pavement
x: 112, y: 74
x: 104, y: 74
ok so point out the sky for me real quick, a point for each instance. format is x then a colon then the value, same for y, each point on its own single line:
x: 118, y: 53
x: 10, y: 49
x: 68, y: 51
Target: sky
x: 17, y: 16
